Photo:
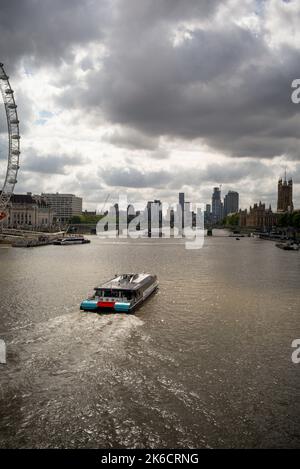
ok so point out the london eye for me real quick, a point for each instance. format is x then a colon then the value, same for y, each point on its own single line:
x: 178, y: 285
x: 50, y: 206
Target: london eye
x: 13, y: 139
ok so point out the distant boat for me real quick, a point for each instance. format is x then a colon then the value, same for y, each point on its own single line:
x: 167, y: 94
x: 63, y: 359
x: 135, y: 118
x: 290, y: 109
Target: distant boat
x: 237, y: 239
x: 31, y: 242
x: 122, y: 293
x: 236, y: 235
x: 288, y: 246
x: 71, y: 240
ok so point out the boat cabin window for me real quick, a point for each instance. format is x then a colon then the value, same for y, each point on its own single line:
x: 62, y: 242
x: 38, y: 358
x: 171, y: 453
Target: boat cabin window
x: 115, y: 294
x: 127, y: 294
x: 108, y: 293
x: 111, y: 294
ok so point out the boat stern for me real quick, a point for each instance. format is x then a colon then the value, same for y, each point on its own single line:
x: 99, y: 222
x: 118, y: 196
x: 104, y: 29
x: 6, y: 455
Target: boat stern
x: 97, y: 306
x: 118, y: 306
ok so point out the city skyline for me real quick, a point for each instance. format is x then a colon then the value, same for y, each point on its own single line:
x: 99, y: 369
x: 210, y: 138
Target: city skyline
x: 163, y: 127
x: 24, y: 208
x: 229, y: 203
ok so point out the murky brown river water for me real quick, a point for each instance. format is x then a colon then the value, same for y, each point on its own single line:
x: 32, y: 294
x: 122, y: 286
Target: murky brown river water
x: 205, y: 362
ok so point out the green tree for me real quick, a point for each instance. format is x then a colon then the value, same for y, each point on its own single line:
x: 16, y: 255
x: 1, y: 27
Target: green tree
x: 232, y: 220
x: 296, y: 220
x: 76, y: 219
x: 85, y: 219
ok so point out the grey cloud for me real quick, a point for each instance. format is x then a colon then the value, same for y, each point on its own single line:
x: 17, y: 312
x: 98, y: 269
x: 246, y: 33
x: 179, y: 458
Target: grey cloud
x: 175, y: 178
x: 134, y: 178
x: 135, y: 19
x: 86, y: 64
x: 131, y: 139
x: 159, y: 154
x: 50, y: 164
x: 3, y: 147
x: 223, y: 85
x: 3, y: 123
x: 166, y: 10
x: 46, y: 30
x: 236, y: 172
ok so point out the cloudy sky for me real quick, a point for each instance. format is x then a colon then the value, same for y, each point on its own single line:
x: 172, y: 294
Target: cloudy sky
x: 154, y: 97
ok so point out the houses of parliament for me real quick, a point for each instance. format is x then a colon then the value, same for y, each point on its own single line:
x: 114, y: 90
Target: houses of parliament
x: 261, y: 217
x: 285, y: 195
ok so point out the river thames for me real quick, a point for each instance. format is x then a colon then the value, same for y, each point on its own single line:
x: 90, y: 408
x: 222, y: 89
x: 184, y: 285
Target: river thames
x: 205, y: 362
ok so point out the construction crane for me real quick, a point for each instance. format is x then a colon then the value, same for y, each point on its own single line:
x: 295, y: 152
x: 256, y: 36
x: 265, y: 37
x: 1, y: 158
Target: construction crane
x: 107, y: 197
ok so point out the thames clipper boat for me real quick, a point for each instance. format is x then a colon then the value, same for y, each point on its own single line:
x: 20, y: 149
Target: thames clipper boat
x: 71, y: 240
x: 122, y: 293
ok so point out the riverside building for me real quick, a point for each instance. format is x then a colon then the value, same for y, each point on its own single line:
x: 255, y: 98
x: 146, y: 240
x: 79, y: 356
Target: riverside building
x: 28, y: 211
x: 65, y: 206
x: 258, y: 217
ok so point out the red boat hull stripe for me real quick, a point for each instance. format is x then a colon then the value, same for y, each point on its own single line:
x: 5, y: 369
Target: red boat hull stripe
x: 106, y: 304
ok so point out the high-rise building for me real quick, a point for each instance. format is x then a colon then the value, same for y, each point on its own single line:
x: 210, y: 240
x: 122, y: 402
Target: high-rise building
x: 181, y: 205
x: 207, y: 214
x: 181, y: 199
x: 216, y: 205
x: 154, y: 214
x: 65, y: 206
x: 285, y: 195
x: 231, y: 203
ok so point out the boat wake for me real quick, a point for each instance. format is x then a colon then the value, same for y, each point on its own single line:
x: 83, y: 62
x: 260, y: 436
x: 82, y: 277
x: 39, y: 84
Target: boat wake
x: 68, y: 344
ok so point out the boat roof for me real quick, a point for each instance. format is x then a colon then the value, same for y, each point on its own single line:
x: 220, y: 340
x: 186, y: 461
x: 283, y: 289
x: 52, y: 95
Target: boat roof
x: 132, y: 281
